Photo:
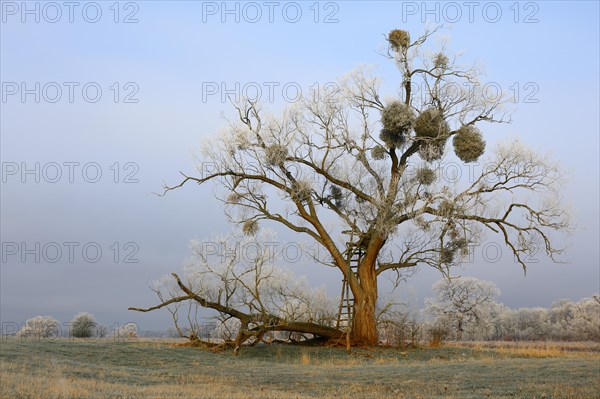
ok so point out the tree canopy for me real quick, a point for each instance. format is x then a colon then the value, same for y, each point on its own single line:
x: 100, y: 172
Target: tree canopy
x: 348, y: 160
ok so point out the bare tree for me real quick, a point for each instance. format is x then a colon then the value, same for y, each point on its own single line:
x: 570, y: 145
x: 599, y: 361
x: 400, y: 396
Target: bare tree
x: 345, y: 160
x: 462, y: 301
x: 249, y: 293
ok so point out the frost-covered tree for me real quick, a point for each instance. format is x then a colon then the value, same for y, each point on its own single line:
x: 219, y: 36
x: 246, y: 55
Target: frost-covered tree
x: 249, y: 294
x: 586, y: 319
x: 348, y: 160
x: 462, y: 302
x: 83, y: 325
x: 530, y: 323
x: 40, y: 327
x: 563, y: 316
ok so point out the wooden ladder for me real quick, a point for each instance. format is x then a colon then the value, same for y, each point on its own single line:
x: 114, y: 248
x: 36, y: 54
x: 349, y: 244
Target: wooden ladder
x: 346, y: 308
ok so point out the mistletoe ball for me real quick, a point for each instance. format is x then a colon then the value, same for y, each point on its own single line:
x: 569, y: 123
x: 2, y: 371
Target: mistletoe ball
x: 397, y: 119
x: 399, y: 39
x: 378, y: 153
x: 468, y: 144
x: 431, y: 124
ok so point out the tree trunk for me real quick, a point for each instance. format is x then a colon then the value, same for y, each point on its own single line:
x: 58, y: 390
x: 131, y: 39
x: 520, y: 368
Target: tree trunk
x: 364, y: 323
x: 460, y: 329
x: 310, y: 328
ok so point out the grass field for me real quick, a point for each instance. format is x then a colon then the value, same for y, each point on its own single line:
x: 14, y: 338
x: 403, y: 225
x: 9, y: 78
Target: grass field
x: 147, y: 368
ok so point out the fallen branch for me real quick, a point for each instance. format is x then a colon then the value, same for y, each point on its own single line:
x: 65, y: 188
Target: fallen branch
x: 262, y: 323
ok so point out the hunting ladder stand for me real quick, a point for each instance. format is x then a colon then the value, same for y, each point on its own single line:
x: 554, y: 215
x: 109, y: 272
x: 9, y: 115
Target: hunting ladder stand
x: 354, y: 254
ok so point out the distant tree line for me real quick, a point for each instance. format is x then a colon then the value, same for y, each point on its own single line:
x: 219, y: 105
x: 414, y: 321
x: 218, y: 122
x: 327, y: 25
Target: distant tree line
x: 462, y: 309
x: 83, y: 325
x: 466, y: 309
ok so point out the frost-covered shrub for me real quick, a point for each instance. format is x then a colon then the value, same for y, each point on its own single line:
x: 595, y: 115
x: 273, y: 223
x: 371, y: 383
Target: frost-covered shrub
x: 83, y: 325
x: 39, y: 327
x: 468, y: 144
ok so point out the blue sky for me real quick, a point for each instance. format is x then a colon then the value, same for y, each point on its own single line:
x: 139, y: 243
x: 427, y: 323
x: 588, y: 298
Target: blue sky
x: 178, y: 48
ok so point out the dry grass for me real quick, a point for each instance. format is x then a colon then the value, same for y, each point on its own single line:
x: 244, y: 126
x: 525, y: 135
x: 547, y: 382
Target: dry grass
x: 535, y: 349
x: 56, y: 384
x: 157, y: 369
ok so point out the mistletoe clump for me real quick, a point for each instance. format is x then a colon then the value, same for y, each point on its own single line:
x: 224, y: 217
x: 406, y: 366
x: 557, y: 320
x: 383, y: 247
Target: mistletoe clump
x: 425, y: 176
x: 447, y: 208
x: 234, y: 198
x: 432, y: 130
x: 468, y: 144
x: 336, y: 194
x: 449, y: 251
x: 431, y: 124
x: 378, y: 153
x: 301, y: 190
x: 250, y: 227
x: 275, y: 154
x: 397, y: 120
x: 399, y: 39
x: 440, y: 60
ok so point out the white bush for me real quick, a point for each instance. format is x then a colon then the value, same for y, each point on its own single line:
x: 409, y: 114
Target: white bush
x: 40, y: 327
